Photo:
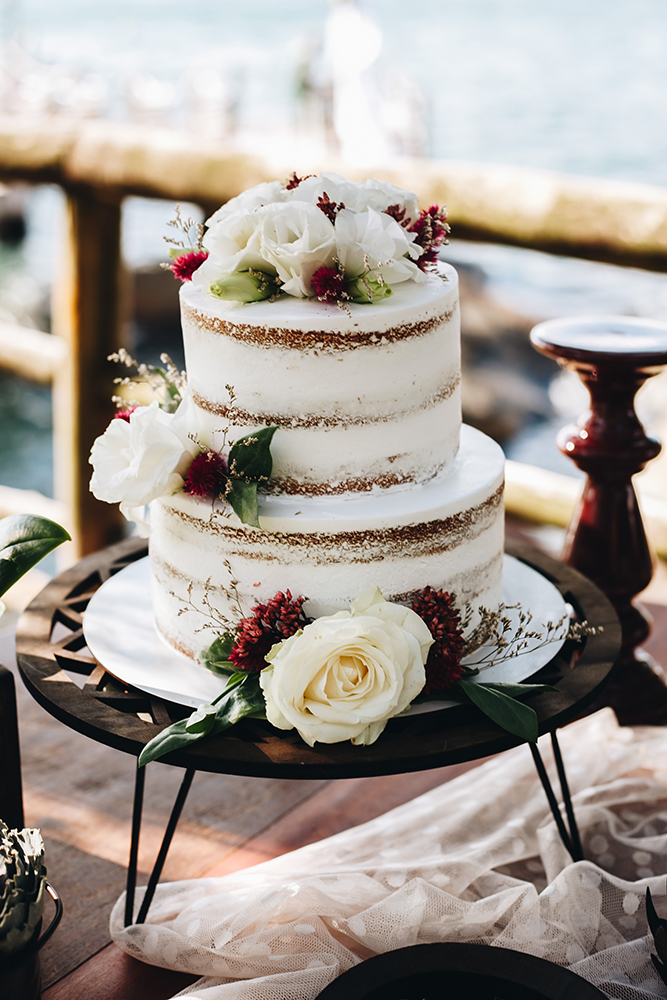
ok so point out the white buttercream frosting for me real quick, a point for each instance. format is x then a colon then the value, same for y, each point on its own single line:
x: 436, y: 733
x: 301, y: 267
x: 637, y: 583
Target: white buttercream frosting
x: 366, y: 395
x: 447, y: 533
x: 373, y: 489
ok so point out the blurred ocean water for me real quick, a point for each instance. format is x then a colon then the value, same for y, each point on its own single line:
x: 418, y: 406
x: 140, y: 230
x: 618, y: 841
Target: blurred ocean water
x: 559, y: 84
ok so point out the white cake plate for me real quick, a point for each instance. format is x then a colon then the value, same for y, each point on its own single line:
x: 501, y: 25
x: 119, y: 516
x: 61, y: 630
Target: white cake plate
x: 120, y: 632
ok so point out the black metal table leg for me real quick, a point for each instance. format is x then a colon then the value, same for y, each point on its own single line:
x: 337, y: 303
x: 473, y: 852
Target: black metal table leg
x: 166, y: 843
x: 164, y: 847
x: 570, y: 837
x: 131, y: 883
x: 567, y: 799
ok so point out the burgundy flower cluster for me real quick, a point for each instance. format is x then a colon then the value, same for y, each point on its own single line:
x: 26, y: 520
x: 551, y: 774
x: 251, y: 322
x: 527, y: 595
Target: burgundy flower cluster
x: 328, y: 283
x: 431, y: 230
x: 329, y: 207
x: 443, y: 620
x: 185, y: 266
x: 124, y: 414
x: 294, y: 181
x: 206, y: 475
x: 268, y: 624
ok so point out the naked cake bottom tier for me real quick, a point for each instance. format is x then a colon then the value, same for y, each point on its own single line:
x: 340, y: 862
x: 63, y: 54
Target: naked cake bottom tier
x: 209, y: 569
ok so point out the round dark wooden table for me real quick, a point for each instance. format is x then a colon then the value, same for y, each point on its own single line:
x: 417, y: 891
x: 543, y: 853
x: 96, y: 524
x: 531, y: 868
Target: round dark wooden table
x: 51, y: 647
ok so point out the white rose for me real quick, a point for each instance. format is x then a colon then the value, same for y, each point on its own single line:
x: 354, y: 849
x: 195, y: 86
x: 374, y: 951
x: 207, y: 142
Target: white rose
x: 380, y: 195
x: 345, y: 675
x: 262, y: 194
x: 137, y: 460
x: 233, y: 245
x: 373, y: 241
x: 337, y: 188
x: 296, y: 239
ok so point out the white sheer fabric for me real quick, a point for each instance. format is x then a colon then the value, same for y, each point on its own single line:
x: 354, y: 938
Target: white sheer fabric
x: 478, y: 859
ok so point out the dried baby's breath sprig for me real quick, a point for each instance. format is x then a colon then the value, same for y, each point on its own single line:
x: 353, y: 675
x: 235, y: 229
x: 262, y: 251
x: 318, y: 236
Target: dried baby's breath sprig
x: 167, y: 381
x: 192, y: 232
x: 507, y: 636
x: 215, y: 621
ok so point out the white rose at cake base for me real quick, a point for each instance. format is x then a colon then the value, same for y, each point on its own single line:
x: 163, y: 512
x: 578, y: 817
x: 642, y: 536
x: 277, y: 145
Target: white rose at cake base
x: 322, y: 328
x: 345, y: 676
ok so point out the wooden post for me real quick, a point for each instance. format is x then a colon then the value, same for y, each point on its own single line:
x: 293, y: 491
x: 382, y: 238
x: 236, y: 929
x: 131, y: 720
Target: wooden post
x: 86, y: 314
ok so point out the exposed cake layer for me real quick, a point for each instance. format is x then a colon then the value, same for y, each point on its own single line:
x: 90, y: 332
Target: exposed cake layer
x: 447, y: 533
x: 365, y: 397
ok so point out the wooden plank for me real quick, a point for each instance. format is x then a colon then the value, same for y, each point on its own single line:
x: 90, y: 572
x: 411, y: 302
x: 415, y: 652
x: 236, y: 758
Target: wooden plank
x: 29, y: 353
x: 113, y: 975
x: 86, y: 315
x: 577, y: 216
x: 14, y: 501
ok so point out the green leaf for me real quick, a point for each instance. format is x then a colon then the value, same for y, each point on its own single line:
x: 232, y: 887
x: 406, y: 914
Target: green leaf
x: 216, y: 657
x: 243, y: 499
x: 250, y: 456
x: 241, y: 698
x: 501, y: 707
x: 24, y: 540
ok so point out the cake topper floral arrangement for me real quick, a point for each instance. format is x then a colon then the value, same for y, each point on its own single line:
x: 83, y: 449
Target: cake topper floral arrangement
x: 317, y: 237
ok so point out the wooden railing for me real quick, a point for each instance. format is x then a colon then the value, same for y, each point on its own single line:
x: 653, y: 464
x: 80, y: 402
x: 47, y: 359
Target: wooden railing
x: 98, y: 164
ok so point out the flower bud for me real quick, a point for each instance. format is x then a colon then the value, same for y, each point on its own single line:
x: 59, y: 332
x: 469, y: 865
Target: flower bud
x: 366, y: 289
x: 245, y: 286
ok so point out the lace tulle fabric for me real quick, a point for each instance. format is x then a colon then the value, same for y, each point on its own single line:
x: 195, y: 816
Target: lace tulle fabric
x: 478, y: 859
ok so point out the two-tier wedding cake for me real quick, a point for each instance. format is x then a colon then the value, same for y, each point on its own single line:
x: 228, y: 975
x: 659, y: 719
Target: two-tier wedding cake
x: 319, y: 309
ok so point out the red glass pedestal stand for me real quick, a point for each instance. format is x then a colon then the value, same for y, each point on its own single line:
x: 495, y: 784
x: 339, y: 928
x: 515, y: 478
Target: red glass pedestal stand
x: 606, y: 541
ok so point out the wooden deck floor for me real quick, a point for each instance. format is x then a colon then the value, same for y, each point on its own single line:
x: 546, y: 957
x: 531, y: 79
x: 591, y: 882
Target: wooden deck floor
x: 79, y: 794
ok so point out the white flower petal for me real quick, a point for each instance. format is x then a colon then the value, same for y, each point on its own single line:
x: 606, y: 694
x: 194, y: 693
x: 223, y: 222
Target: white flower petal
x: 346, y: 674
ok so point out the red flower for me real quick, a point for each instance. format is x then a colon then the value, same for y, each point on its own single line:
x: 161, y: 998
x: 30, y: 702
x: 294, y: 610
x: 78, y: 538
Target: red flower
x: 443, y: 620
x: 329, y: 207
x: 397, y: 212
x: 206, y: 474
x: 431, y: 231
x: 186, y: 265
x: 124, y: 414
x: 329, y: 284
x: 268, y: 624
x: 294, y: 181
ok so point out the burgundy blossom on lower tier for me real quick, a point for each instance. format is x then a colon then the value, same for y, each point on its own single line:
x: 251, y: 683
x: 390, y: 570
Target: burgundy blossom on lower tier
x: 329, y: 284
x: 443, y: 620
x: 206, y: 475
x: 268, y: 624
x: 185, y: 266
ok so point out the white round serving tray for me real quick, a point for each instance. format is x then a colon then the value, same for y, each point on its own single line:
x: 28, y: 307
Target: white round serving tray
x: 120, y: 632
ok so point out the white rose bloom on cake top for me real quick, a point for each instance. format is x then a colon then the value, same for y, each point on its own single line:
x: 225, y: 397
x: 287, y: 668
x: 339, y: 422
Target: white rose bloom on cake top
x: 318, y: 237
